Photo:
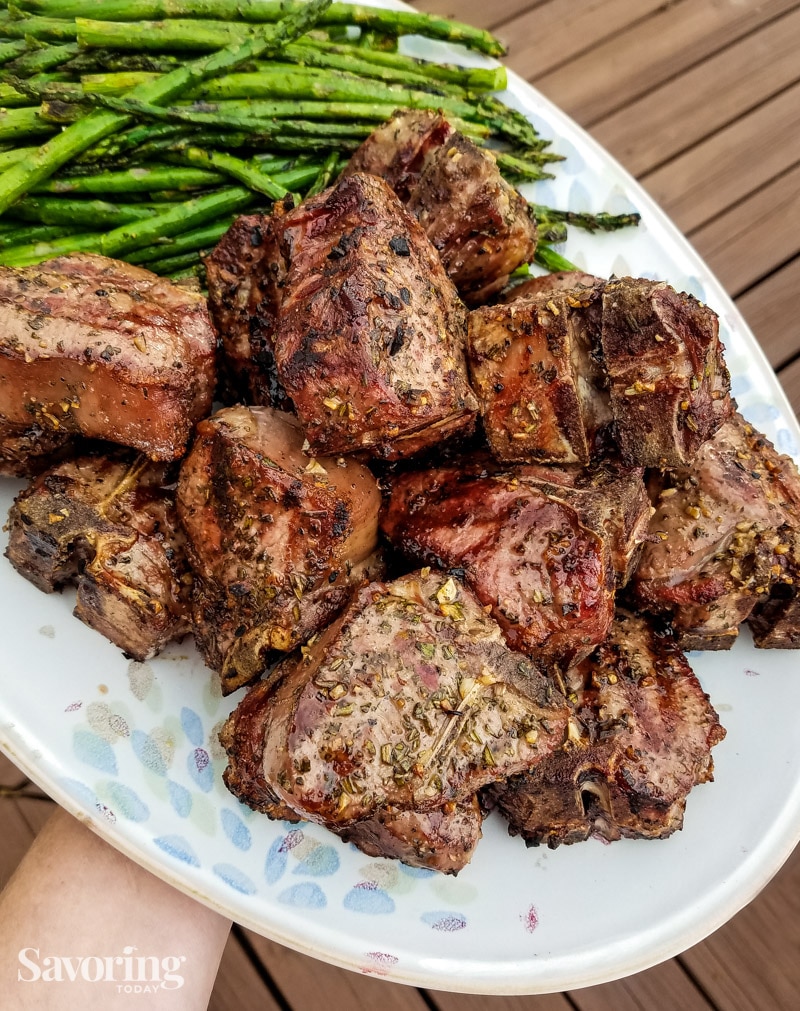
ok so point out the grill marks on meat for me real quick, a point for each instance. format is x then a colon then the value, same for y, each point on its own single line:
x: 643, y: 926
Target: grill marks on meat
x: 244, y: 282
x: 479, y: 224
x: 560, y: 371
x: 547, y: 577
x: 109, y: 525
x: 409, y: 701
x: 724, y: 535
x: 276, y: 539
x: 372, y: 332
x: 609, y: 498
x: 95, y: 347
x: 640, y: 738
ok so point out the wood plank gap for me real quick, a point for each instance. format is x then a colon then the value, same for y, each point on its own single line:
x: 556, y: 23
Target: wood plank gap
x: 691, y: 976
x: 736, y: 289
x: 790, y: 381
x: 669, y: 121
x: 429, y: 997
x: 260, y: 968
x: 729, y: 166
x: 699, y: 62
x: 477, y: 13
x: 775, y: 269
x: 791, y: 360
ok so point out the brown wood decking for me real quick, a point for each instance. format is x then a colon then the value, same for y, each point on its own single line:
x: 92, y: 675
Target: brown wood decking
x: 700, y: 99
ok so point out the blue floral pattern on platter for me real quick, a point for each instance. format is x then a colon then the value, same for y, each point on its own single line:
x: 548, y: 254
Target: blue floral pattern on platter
x: 134, y: 748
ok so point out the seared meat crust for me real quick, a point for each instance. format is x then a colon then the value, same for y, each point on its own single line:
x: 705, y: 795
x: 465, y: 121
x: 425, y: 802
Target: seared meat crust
x: 275, y: 537
x: 244, y: 281
x: 563, y: 373
x: 532, y: 366
x: 108, y: 524
x: 410, y: 700
x: 478, y: 222
x: 668, y: 382
x: 243, y: 738
x: 546, y: 576
x: 443, y: 839
x: 640, y: 738
x: 610, y: 499
x: 371, y: 347
x: 95, y: 347
x: 723, y: 533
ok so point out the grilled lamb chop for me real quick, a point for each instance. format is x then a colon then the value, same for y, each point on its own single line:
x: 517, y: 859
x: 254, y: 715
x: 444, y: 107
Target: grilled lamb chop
x: 276, y: 539
x: 724, y: 532
x: 667, y: 380
x: 562, y: 372
x: 108, y: 524
x: 609, y: 499
x: 546, y: 576
x: 409, y: 701
x: 534, y: 368
x: 95, y: 347
x: 478, y: 222
x: 443, y: 839
x: 371, y: 330
x: 243, y: 275
x: 640, y: 738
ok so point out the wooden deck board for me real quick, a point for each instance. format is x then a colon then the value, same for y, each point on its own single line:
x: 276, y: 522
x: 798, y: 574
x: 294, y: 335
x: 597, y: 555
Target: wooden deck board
x: 752, y: 962
x: 316, y: 986
x: 754, y: 238
x: 790, y: 381
x: 770, y: 310
x: 239, y: 986
x: 734, y: 163
x: 669, y: 119
x: 678, y: 36
x: 553, y: 34
x: 475, y: 12
x: 644, y: 990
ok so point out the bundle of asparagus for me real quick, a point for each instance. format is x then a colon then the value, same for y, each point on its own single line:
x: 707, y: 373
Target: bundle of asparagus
x: 160, y: 120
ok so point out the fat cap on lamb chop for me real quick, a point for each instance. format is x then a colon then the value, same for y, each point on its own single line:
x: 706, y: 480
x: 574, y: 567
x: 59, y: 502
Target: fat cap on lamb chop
x: 96, y: 347
x: 276, y: 538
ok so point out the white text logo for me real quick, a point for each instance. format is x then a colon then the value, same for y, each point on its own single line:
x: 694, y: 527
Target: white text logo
x: 132, y: 973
